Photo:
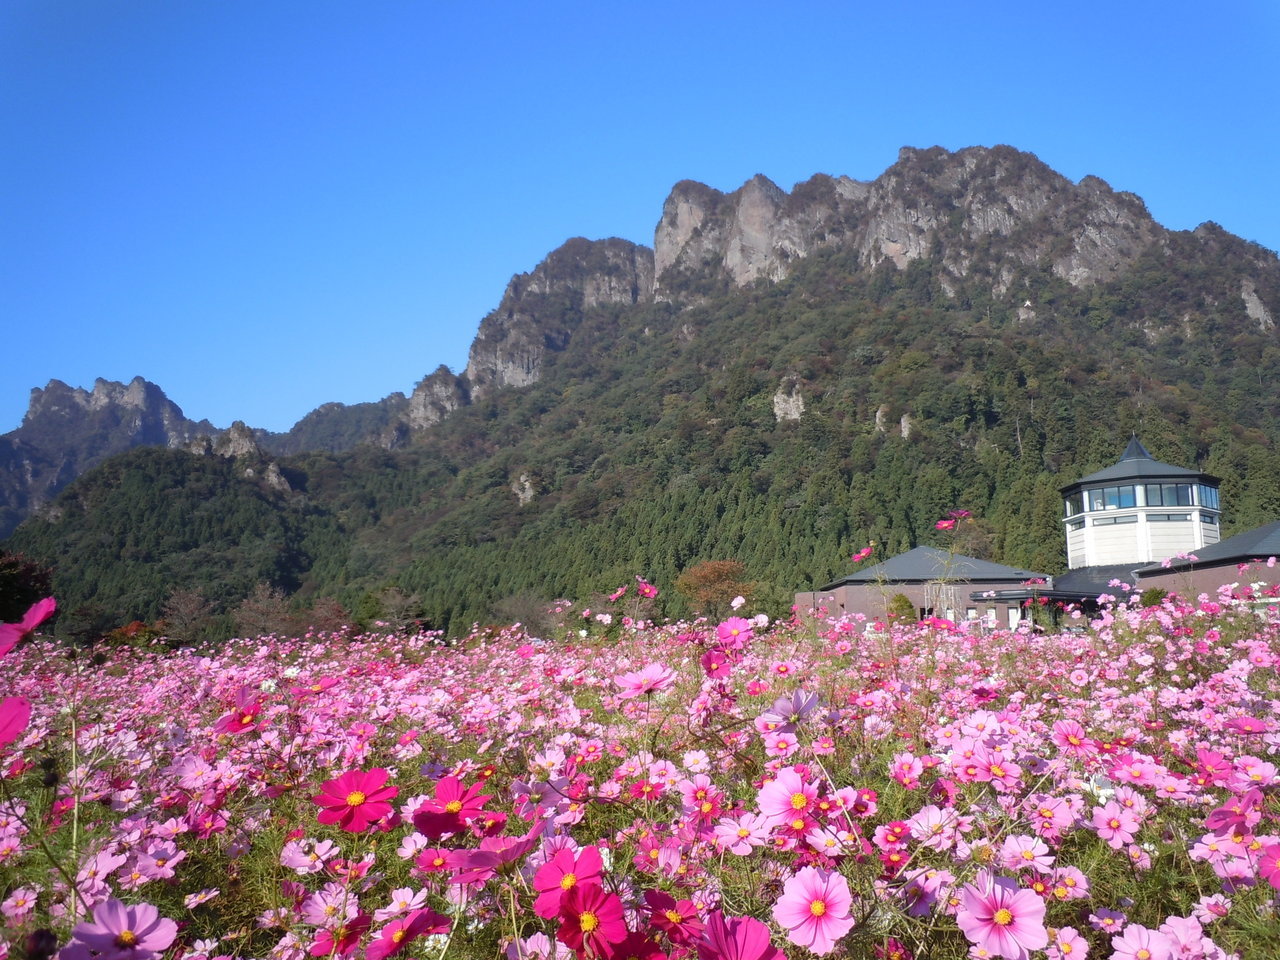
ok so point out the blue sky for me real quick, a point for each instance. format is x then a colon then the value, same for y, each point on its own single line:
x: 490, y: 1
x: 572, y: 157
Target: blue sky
x: 263, y: 205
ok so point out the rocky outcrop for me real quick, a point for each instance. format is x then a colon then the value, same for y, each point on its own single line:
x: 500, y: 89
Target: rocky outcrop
x: 929, y: 203
x: 788, y: 403
x: 540, y: 310
x: 435, y: 397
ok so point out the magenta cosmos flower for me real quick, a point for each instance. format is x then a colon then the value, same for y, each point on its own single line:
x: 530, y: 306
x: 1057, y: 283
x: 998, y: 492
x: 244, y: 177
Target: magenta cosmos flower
x: 736, y: 938
x: 1002, y: 919
x: 402, y: 931
x: 355, y: 799
x: 15, y: 715
x: 591, y: 920
x: 119, y: 932
x: 452, y: 807
x: 814, y: 909
x: 561, y: 873
x: 38, y: 613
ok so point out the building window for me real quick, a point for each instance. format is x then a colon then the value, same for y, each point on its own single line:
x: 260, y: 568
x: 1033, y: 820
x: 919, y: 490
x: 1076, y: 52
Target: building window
x: 1158, y: 517
x: 1208, y: 496
x: 1113, y: 498
x: 1074, y: 504
x: 971, y: 613
x: 1209, y: 518
x: 1109, y: 521
x: 1168, y: 494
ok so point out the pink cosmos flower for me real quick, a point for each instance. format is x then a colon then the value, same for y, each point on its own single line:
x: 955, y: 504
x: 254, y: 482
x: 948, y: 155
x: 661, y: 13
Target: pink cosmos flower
x: 244, y: 712
x: 996, y: 916
x: 591, y: 920
x: 37, y: 613
x: 355, y: 799
x: 736, y: 938
x: 399, y: 933
x: 452, y: 807
x: 678, y: 919
x: 340, y: 941
x: 1115, y: 824
x: 814, y: 909
x: 1269, y: 864
x: 646, y: 589
x: 734, y: 632
x: 561, y: 873
x: 786, y: 796
x: 651, y: 678
x: 741, y: 835
x: 120, y: 932
x: 15, y: 715
x: 862, y: 554
x: 1140, y: 943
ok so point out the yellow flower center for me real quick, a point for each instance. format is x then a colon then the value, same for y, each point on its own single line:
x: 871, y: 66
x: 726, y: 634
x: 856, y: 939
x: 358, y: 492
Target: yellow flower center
x: 818, y: 907
x: 997, y: 770
x: 799, y: 801
x: 245, y: 718
x: 1003, y: 917
x: 797, y: 824
x: 126, y: 938
x: 397, y: 936
x: 453, y: 806
x: 567, y: 881
x: 588, y: 921
x: 743, y: 832
x: 1143, y: 954
x: 674, y: 916
x: 355, y: 798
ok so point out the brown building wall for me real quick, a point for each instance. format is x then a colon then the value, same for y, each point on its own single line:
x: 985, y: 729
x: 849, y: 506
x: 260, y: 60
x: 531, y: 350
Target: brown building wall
x: 1189, y: 584
x: 949, y: 600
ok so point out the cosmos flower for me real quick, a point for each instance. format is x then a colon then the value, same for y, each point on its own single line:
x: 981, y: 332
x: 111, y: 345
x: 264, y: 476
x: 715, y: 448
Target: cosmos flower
x: 998, y: 917
x: 814, y: 909
x: 355, y: 799
x: 120, y: 932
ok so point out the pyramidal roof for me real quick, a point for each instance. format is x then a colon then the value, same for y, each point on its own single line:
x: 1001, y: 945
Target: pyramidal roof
x: 929, y: 564
x: 1136, y: 464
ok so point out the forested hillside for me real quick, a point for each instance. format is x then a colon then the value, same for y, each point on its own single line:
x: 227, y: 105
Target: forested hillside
x: 781, y: 422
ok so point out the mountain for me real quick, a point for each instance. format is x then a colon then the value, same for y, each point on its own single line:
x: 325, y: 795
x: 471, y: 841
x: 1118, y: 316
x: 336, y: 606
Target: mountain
x: 67, y: 431
x: 782, y: 378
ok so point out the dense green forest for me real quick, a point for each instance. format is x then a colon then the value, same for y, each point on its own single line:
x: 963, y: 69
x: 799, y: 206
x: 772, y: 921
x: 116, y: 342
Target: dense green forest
x: 651, y: 443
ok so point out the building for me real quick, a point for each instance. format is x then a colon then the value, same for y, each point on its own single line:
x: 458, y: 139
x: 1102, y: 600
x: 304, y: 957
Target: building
x: 937, y: 583
x: 1139, y: 522
x: 1139, y: 511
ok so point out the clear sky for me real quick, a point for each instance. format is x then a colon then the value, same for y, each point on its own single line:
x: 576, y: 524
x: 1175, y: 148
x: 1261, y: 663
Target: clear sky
x: 265, y: 205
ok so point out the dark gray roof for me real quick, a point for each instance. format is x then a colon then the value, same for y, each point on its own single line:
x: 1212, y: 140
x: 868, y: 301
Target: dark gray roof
x: 1083, y: 584
x: 1256, y: 544
x: 928, y: 564
x: 1137, y: 464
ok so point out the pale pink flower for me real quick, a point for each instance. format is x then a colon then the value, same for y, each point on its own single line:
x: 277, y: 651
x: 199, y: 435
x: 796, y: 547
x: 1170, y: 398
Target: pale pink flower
x: 814, y: 909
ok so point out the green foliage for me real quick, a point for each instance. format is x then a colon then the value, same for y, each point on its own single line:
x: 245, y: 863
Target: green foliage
x: 901, y: 608
x: 651, y: 446
x: 23, y: 581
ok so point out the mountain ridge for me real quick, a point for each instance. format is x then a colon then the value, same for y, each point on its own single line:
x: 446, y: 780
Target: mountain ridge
x: 807, y: 370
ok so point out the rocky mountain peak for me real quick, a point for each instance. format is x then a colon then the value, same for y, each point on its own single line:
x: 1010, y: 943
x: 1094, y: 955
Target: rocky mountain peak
x: 540, y: 309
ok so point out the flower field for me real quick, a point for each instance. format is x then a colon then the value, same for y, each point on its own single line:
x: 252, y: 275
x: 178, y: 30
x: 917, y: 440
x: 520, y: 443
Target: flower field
x: 726, y: 791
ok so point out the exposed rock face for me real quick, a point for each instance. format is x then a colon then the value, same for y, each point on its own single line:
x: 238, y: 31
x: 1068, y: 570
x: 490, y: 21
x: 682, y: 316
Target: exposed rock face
x: 930, y: 201
x: 523, y: 489
x: 540, y: 310
x: 1254, y: 306
x: 788, y: 404
x: 435, y: 397
x: 237, y: 441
